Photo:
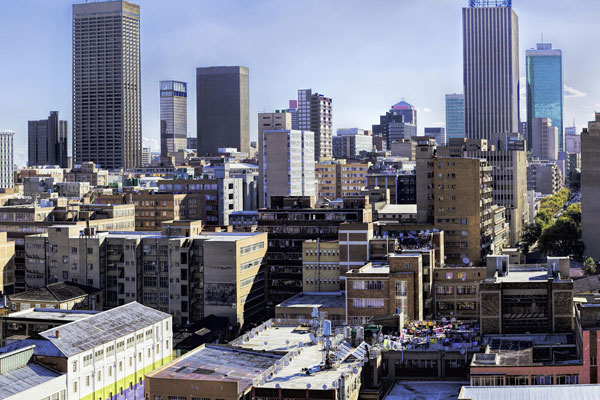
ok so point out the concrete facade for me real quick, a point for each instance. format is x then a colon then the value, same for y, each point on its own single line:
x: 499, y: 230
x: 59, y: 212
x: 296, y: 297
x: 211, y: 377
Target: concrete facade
x: 590, y: 187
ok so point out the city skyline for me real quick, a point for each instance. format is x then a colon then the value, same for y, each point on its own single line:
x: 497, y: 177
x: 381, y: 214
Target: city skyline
x: 273, y: 82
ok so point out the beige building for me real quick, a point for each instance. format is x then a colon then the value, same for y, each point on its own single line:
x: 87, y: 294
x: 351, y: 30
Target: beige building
x: 544, y: 138
x: 320, y: 266
x: 87, y: 172
x: 404, y: 148
x: 7, y: 264
x: 456, y: 292
x: 590, y: 188
x: 338, y: 179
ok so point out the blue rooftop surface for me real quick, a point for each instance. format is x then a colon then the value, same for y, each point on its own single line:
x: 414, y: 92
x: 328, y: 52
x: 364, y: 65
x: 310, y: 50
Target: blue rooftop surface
x: 42, y: 347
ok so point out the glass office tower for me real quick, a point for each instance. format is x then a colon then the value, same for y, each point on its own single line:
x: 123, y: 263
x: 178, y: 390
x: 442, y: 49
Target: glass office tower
x: 173, y: 117
x: 545, y: 89
x: 455, y: 116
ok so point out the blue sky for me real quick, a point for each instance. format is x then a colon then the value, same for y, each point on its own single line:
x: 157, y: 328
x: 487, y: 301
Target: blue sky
x: 366, y: 55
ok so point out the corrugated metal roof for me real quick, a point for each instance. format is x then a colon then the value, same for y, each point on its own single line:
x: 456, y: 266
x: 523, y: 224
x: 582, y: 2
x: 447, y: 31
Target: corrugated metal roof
x: 543, y: 392
x: 43, y: 347
x: 85, y: 334
x: 19, y: 380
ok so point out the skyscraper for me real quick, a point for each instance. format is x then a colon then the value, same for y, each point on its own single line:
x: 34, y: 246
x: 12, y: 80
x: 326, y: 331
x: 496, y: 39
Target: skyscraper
x: 545, y: 89
x: 173, y: 117
x: 455, y: 116
x: 590, y: 188
x: 397, y: 124
x: 6, y: 159
x: 490, y: 68
x: 47, y: 142
x: 107, y: 112
x: 314, y: 114
x: 222, y: 111
x: 438, y: 133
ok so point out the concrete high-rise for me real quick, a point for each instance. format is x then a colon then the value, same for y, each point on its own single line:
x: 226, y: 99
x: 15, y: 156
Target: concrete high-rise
x: 6, y: 159
x: 455, y: 116
x: 590, y: 188
x: 288, y: 164
x: 544, y: 89
x: 107, y: 105
x: 222, y: 109
x: 173, y: 117
x: 47, y: 142
x: 277, y: 121
x: 314, y: 114
x: 490, y: 68
x: 544, y: 135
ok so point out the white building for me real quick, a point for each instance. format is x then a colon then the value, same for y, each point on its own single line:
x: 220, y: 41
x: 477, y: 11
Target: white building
x: 6, y: 159
x: 288, y: 164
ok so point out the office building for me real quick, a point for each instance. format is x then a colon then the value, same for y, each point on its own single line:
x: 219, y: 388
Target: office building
x: 455, y: 116
x: 544, y: 177
x: 222, y: 109
x: 352, y: 143
x: 47, y: 142
x: 173, y: 117
x: 545, y: 139
x: 544, y: 89
x: 491, y: 83
x: 107, y: 105
x: 572, y: 141
x: 269, y: 122
x: 397, y: 124
x: 293, y: 110
x: 338, y: 179
x: 7, y: 163
x: 590, y: 188
x: 7, y: 265
x: 439, y: 134
x: 146, y: 156
x: 288, y: 164
x: 314, y: 114
x: 192, y: 143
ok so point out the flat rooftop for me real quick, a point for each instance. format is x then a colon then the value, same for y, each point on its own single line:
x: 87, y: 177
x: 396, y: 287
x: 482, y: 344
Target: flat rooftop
x: 524, y: 276
x: 424, y: 390
x: 374, y: 269
x: 543, y: 392
x: 19, y: 380
x: 52, y: 314
x: 319, y: 300
x: 218, y: 363
x: 292, y: 374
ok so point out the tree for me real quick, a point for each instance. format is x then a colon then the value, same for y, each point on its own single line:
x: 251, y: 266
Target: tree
x: 574, y: 212
x: 531, y: 235
x: 562, y: 238
x: 589, y: 266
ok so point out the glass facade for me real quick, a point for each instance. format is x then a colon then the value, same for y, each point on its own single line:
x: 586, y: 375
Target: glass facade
x: 455, y: 116
x: 545, y: 89
x: 173, y: 116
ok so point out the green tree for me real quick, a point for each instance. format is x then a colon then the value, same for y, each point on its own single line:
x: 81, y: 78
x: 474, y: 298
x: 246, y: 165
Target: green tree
x: 562, y: 238
x: 531, y: 235
x: 574, y: 212
x: 589, y: 266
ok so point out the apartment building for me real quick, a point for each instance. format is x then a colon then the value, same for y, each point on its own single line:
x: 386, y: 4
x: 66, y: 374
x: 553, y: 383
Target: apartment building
x: 87, y: 172
x: 182, y: 270
x: 340, y: 179
x: 292, y: 220
x: 456, y: 292
x: 320, y: 266
x: 544, y: 177
x: 379, y: 289
x: 7, y: 265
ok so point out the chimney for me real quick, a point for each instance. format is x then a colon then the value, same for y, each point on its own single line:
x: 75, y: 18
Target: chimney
x: 57, y: 334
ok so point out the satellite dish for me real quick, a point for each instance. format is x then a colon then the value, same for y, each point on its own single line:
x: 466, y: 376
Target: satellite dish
x: 265, y: 342
x: 277, y: 385
x: 334, y: 384
x: 313, y: 338
x: 301, y: 344
x: 287, y: 342
x: 366, y: 359
x: 444, y: 319
x: 471, y: 264
x: 380, y: 339
x: 453, y: 319
x: 465, y: 260
x: 324, y: 387
x: 287, y: 363
x: 462, y: 351
x: 355, y: 370
x: 308, y: 385
x: 251, y: 335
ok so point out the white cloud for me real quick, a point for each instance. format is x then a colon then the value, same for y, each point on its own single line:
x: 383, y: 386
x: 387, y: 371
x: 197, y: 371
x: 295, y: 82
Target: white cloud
x: 154, y: 144
x: 426, y: 109
x: 571, y: 92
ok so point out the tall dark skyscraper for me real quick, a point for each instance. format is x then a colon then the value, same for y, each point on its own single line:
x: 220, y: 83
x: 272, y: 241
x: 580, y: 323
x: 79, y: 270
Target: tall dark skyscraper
x: 398, y: 123
x: 173, y: 117
x: 47, y: 142
x: 544, y: 89
x: 107, y: 112
x: 490, y: 68
x: 222, y: 109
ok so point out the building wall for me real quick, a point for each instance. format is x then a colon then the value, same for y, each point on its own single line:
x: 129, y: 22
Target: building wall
x: 590, y: 187
x: 320, y: 266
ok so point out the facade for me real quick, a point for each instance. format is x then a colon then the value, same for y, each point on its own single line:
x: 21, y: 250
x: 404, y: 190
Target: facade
x: 269, y: 122
x: 438, y: 133
x: 7, y: 165
x: 455, y: 116
x: 314, y: 114
x: 87, y: 172
x: 288, y: 164
x: 222, y: 109
x: 545, y: 139
x: 590, y: 187
x: 398, y: 123
x: 544, y: 177
x: 351, y: 146
x: 47, y: 142
x: 491, y: 83
x: 545, y: 90
x: 173, y: 117
x: 320, y: 266
x: 338, y: 179
x: 146, y: 156
x: 179, y: 270
x: 289, y: 222
x: 59, y: 295
x: 572, y: 142
x: 192, y: 143
x: 7, y: 264
x: 456, y: 293
x: 107, y: 105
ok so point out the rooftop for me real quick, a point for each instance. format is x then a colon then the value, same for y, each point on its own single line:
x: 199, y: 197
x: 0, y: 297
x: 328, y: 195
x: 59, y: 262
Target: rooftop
x: 85, y: 334
x: 218, y: 363
x: 544, y: 392
x: 399, y: 209
x: 59, y: 291
x: 19, y: 380
x: 404, y: 390
x: 320, y: 299
x: 52, y: 314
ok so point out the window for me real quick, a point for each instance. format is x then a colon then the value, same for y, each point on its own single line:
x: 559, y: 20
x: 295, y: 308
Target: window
x: 74, y: 387
x: 368, y: 303
x: 367, y: 285
x: 517, y: 380
x: 130, y: 342
x: 120, y: 346
x: 87, y: 360
x: 120, y: 366
x: 75, y: 366
x: 110, y: 350
x: 567, y: 379
x: 541, y: 380
x: 401, y: 288
x: 87, y: 380
x: 110, y: 370
x: 99, y: 375
x: 99, y: 354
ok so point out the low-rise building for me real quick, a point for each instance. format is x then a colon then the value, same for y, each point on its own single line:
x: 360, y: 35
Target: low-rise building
x: 60, y: 295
